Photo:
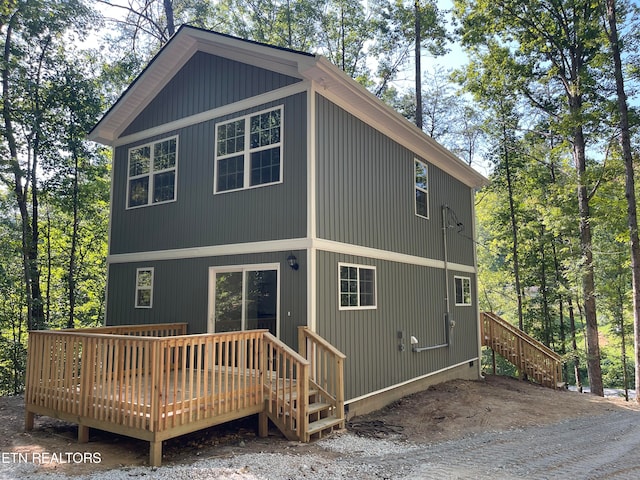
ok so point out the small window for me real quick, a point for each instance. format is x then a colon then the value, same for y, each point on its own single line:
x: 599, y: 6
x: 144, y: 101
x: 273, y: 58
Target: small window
x: 144, y: 287
x: 249, y: 151
x: 357, y: 287
x: 422, y: 189
x: 463, y: 291
x: 152, y: 173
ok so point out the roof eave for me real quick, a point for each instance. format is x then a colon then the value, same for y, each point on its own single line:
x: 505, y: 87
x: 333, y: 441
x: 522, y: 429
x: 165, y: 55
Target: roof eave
x: 382, y: 117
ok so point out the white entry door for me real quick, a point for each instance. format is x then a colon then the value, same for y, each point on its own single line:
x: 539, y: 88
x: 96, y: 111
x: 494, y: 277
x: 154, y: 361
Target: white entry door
x: 244, y: 298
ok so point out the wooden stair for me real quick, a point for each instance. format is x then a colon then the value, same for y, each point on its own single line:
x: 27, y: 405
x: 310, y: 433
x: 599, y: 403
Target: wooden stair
x: 532, y: 358
x: 322, y: 418
x: 308, y: 404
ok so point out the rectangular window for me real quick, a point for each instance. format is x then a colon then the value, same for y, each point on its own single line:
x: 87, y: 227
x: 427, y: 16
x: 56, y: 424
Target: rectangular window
x: 249, y: 151
x: 463, y: 291
x: 357, y: 284
x: 422, y: 189
x: 152, y: 173
x: 144, y: 287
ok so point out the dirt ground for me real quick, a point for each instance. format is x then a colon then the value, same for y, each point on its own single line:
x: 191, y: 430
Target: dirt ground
x: 444, y: 412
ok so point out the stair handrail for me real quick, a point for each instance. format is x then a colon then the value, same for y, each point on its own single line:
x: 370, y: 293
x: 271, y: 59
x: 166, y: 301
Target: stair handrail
x: 286, y: 387
x: 326, y: 371
x: 523, y: 335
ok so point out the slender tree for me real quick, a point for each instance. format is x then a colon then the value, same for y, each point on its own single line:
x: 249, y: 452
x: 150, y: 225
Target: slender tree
x: 554, y: 47
x: 611, y: 25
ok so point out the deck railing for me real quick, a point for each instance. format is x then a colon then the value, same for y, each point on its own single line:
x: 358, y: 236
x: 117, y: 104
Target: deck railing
x: 145, y: 330
x: 326, y: 369
x: 153, y: 382
x: 152, y: 388
x: 533, y: 358
x: 286, y: 387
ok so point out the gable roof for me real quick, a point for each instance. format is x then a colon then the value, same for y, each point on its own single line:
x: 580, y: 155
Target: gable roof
x: 335, y: 85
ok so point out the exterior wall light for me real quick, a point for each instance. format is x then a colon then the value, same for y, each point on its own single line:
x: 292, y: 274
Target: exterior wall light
x: 293, y: 262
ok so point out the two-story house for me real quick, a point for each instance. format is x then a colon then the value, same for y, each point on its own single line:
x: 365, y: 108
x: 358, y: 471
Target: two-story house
x: 260, y: 187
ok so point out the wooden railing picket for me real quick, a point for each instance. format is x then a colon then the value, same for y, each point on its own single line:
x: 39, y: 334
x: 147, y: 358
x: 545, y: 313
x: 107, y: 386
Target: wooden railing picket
x: 531, y: 357
x: 129, y: 381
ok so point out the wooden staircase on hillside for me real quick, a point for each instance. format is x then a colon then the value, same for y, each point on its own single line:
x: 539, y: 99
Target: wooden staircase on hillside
x: 532, y: 358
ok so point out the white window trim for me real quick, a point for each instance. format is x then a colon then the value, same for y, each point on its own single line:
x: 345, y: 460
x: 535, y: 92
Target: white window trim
x: 139, y: 288
x: 426, y: 191
x: 151, y: 174
x: 244, y: 269
x: 464, y: 280
x: 375, y: 287
x: 248, y: 151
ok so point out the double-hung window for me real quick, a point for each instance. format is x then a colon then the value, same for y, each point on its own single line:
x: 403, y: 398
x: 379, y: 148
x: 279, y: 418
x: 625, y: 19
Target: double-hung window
x: 152, y: 173
x: 422, y: 189
x: 357, y: 286
x: 463, y: 291
x: 144, y: 287
x: 249, y: 151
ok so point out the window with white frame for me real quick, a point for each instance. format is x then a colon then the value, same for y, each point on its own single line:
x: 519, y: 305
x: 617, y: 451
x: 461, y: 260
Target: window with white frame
x: 357, y: 286
x: 152, y: 173
x: 144, y: 287
x: 463, y: 291
x: 249, y: 151
x: 422, y: 189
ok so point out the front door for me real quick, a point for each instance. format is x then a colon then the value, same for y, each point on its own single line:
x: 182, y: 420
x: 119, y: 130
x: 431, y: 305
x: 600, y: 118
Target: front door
x: 244, y: 298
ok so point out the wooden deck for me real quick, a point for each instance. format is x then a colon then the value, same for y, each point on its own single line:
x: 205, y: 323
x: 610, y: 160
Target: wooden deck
x: 153, y: 382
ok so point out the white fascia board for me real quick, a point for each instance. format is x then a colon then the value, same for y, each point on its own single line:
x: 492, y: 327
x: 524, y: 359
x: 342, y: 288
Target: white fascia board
x: 276, y: 59
x: 144, y: 89
x: 336, y: 86
x: 230, y: 108
x: 173, y: 56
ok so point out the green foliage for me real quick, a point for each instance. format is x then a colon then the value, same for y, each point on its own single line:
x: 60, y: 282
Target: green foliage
x: 54, y: 188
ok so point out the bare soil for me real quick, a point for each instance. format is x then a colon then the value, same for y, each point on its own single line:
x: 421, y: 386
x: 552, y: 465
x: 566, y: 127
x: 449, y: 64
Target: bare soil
x: 447, y: 411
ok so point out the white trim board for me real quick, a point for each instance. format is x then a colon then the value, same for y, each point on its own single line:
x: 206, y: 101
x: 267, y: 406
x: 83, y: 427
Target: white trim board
x: 407, y: 382
x: 239, y: 106
x: 285, y: 245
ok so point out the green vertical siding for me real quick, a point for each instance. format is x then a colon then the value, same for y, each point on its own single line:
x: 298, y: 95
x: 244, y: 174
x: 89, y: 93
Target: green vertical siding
x: 180, y: 292
x: 365, y: 184
x: 204, y: 83
x: 200, y: 218
x: 411, y: 299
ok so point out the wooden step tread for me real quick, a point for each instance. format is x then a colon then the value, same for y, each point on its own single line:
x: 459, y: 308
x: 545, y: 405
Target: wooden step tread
x: 287, y: 396
x: 318, y: 407
x: 323, y: 424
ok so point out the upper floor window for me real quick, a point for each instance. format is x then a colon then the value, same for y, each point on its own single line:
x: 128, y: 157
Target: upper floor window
x: 422, y: 189
x: 357, y: 286
x: 144, y: 287
x: 463, y: 291
x: 152, y: 173
x: 249, y: 151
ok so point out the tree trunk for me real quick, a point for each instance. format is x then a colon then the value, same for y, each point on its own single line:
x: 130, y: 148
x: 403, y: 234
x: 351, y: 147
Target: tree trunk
x: 558, y: 283
x: 20, y: 188
x: 546, y: 318
x: 168, y: 11
x: 71, y: 280
x: 418, y: 54
x: 588, y: 277
x: 574, y: 345
x: 514, y: 227
x: 625, y: 140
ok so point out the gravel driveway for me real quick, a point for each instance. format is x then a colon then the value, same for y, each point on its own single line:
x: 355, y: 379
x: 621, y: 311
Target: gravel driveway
x: 603, y: 446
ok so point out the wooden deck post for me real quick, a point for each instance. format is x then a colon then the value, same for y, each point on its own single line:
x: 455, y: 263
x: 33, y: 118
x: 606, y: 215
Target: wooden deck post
x: 155, y: 453
x: 29, y: 418
x: 83, y: 433
x: 263, y: 424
